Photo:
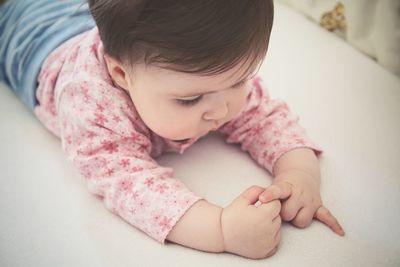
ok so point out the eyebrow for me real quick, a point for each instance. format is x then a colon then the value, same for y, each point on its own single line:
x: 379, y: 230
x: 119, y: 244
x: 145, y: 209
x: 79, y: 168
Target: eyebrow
x: 211, y: 91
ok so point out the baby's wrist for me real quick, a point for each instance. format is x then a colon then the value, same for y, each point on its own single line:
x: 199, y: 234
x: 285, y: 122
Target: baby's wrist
x: 299, y: 176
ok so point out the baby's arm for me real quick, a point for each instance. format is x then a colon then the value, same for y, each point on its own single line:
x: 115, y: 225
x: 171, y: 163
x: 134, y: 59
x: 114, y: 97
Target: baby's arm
x: 272, y: 136
x: 266, y: 128
x: 200, y: 228
x: 99, y: 136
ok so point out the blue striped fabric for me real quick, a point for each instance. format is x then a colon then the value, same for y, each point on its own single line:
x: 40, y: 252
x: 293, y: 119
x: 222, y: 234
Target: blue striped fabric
x: 29, y: 31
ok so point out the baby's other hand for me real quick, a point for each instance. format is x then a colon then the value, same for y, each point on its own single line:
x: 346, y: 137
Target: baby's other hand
x: 301, y: 201
x: 249, y: 230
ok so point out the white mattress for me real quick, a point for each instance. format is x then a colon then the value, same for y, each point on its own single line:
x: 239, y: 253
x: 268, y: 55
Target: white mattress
x: 349, y: 105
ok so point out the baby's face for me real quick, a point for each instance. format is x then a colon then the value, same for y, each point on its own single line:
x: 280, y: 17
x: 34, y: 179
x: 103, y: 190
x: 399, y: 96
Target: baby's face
x: 179, y: 106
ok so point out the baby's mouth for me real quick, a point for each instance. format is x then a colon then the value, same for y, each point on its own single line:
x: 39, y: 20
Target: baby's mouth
x: 182, y: 140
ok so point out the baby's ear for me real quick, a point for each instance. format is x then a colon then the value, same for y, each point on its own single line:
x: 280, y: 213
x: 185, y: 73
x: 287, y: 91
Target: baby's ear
x: 117, y: 72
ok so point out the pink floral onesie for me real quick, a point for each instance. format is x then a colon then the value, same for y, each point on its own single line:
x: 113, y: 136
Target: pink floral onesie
x: 103, y: 135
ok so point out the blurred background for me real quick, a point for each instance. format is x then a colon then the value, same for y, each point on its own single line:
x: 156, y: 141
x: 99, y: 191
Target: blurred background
x: 371, y: 26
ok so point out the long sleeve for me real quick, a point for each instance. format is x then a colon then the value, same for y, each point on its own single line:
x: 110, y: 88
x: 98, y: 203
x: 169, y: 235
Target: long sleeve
x: 265, y: 128
x: 101, y: 136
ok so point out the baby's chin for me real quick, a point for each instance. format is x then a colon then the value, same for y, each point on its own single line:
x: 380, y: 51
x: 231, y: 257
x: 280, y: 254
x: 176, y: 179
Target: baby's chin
x: 181, y: 140
x: 187, y: 138
x: 182, y: 137
x: 178, y: 138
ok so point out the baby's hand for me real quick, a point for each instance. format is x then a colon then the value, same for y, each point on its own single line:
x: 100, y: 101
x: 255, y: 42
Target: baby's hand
x: 301, y: 200
x: 250, y: 231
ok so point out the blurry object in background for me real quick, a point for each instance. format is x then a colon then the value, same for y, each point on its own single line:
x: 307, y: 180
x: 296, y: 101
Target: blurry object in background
x: 371, y: 26
x: 374, y: 28
x: 334, y: 19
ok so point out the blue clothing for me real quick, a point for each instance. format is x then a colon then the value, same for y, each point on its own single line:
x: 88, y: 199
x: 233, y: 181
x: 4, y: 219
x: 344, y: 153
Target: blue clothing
x: 29, y: 31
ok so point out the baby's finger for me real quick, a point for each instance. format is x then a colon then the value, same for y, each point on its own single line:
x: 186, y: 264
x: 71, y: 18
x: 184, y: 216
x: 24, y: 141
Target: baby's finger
x: 272, y: 252
x: 249, y: 196
x: 276, y: 191
x: 276, y: 223
x: 304, y: 217
x: 271, y: 209
x: 324, y: 216
x: 291, y: 206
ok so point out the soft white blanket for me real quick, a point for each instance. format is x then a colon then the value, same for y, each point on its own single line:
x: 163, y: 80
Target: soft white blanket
x: 349, y: 105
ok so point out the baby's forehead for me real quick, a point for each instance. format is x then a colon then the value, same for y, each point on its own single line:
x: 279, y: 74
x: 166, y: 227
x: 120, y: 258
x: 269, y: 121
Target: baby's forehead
x: 237, y: 72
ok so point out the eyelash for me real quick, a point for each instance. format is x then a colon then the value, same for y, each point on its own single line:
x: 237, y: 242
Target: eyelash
x: 191, y: 102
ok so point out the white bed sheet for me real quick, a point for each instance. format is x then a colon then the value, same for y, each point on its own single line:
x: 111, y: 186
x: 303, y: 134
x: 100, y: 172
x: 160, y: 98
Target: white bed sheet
x: 349, y: 105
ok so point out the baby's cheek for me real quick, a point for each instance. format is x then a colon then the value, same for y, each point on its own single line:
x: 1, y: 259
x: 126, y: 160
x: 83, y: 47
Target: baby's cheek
x: 178, y: 127
x: 238, y: 103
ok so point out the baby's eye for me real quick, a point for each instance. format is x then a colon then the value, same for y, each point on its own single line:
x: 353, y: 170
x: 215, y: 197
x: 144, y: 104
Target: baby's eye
x: 189, y: 101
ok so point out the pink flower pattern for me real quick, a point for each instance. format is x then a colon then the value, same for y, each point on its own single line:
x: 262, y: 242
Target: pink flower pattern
x: 103, y: 135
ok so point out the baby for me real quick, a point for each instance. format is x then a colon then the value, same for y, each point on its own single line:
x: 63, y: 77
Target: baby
x: 120, y: 82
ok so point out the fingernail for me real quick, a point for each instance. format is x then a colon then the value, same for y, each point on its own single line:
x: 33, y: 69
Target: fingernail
x: 341, y: 231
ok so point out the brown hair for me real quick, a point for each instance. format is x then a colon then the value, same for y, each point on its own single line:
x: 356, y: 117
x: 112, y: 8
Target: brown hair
x: 193, y: 36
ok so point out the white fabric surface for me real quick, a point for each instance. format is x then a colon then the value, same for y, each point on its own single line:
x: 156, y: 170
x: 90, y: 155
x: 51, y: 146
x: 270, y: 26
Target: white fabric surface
x: 349, y: 105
